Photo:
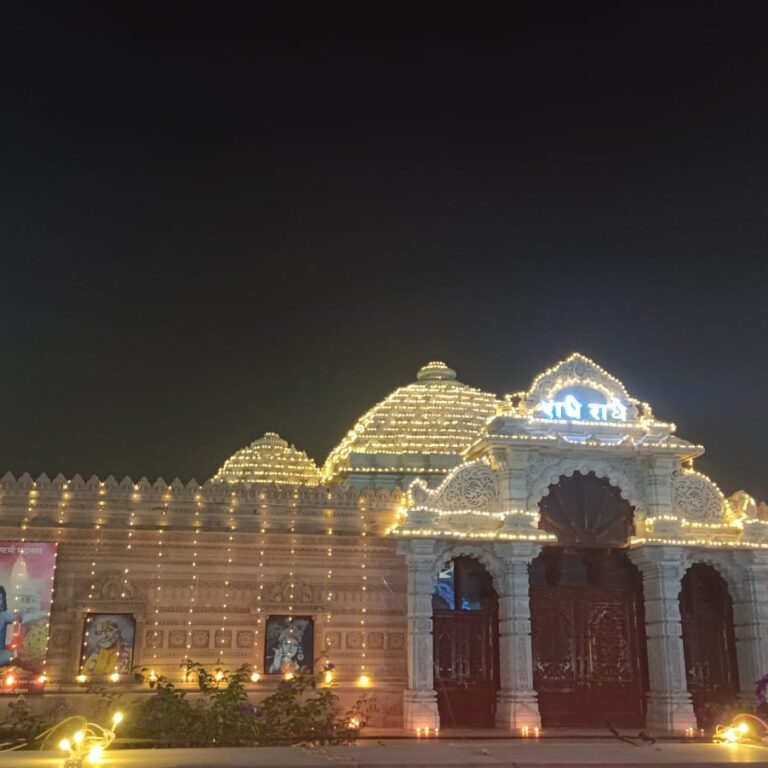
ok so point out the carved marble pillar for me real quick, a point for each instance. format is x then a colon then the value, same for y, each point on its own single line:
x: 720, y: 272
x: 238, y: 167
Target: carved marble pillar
x: 748, y: 585
x: 420, y: 700
x: 669, y: 704
x: 516, y: 704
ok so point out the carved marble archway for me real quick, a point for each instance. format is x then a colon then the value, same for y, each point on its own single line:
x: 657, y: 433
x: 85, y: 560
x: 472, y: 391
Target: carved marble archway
x: 617, y: 471
x: 476, y: 551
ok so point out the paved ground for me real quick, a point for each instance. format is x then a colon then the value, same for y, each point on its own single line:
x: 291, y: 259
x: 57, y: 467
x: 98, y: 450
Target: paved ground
x: 399, y: 754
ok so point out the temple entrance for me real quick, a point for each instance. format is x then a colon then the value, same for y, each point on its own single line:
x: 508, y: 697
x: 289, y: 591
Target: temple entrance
x: 587, y: 622
x: 706, y: 611
x: 466, y: 644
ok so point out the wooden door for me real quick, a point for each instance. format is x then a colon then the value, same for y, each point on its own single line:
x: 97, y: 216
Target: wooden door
x: 706, y: 611
x: 588, y: 639
x: 466, y: 667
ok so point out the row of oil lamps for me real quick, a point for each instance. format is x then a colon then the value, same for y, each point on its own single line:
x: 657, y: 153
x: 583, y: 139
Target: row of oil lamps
x: 526, y: 732
x: 363, y: 681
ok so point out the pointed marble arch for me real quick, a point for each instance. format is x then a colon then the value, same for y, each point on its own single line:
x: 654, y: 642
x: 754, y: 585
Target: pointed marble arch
x: 491, y: 562
x: 719, y: 561
x: 612, y: 470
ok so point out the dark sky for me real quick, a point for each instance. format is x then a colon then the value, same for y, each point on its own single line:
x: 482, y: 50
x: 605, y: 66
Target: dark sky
x: 214, y: 224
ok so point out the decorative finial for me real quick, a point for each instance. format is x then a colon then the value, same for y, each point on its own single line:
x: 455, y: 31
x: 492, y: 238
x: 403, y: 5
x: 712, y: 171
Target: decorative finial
x: 436, y: 371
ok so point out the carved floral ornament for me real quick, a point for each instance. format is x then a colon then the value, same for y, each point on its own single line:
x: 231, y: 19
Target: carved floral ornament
x: 468, y: 504
x: 696, y: 498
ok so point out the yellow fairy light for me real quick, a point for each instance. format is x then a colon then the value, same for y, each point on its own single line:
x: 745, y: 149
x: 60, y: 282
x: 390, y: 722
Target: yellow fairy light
x: 227, y: 577
x: 193, y: 586
x: 255, y: 677
x: 364, y: 591
x: 435, y: 415
x: 328, y: 579
x: 269, y: 460
x: 87, y: 742
x: 157, y: 582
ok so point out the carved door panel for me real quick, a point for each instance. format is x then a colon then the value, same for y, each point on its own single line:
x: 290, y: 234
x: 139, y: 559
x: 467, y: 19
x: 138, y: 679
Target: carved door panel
x: 466, y: 667
x: 709, y: 643
x: 589, y: 648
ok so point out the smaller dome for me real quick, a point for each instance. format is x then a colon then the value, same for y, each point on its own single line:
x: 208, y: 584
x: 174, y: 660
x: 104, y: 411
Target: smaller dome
x: 269, y: 460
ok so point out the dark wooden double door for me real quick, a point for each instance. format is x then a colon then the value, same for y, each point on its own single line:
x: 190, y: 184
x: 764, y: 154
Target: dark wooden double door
x: 466, y: 653
x: 709, y: 642
x: 466, y: 667
x: 588, y: 638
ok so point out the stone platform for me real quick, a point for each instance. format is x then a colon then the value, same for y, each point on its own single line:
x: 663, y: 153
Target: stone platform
x: 372, y: 753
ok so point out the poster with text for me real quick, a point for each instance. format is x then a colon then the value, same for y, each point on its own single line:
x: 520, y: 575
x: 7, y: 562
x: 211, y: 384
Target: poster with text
x: 108, y: 644
x: 289, y: 645
x: 26, y: 592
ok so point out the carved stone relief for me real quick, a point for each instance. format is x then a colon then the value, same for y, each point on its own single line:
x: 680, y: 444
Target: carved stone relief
x: 303, y: 593
x: 697, y: 498
x: 395, y: 641
x: 354, y: 639
x: 473, y: 486
x: 61, y: 638
x: 375, y: 640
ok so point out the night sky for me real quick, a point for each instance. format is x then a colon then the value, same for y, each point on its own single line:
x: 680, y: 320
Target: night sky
x: 216, y: 224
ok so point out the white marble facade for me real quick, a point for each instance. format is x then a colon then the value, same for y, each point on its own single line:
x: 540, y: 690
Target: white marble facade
x: 488, y: 508
x: 259, y: 550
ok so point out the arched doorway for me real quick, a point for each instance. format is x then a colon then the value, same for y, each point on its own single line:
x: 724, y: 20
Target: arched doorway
x: 709, y: 644
x: 587, y: 622
x: 466, y: 644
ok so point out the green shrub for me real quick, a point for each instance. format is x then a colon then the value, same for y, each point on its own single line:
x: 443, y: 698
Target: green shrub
x: 299, y: 711
x: 21, y: 726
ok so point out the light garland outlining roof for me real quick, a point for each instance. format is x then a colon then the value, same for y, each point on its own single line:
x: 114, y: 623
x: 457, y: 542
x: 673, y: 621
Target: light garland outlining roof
x: 435, y: 416
x: 269, y: 460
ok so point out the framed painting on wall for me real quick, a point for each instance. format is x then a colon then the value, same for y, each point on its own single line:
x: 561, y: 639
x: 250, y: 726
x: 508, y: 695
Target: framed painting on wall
x: 289, y: 645
x: 108, y: 640
x: 26, y: 591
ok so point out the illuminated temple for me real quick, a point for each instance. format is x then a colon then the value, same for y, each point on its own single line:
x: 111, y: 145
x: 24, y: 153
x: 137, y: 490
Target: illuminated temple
x: 549, y: 558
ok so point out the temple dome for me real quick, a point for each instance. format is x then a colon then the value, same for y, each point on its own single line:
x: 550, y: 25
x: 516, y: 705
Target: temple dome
x: 269, y: 460
x: 421, y: 428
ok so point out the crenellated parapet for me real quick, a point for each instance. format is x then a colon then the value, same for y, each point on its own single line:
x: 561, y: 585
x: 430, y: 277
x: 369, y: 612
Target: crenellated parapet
x: 76, y: 502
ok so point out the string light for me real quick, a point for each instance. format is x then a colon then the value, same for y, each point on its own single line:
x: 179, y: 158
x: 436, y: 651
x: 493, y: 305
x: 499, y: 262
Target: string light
x: 227, y: 578
x: 435, y: 415
x: 263, y: 522
x: 193, y: 587
x: 364, y: 680
x: 291, y: 582
x: 81, y: 677
x: 86, y: 741
x: 328, y: 586
x: 269, y: 460
x: 158, y: 585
